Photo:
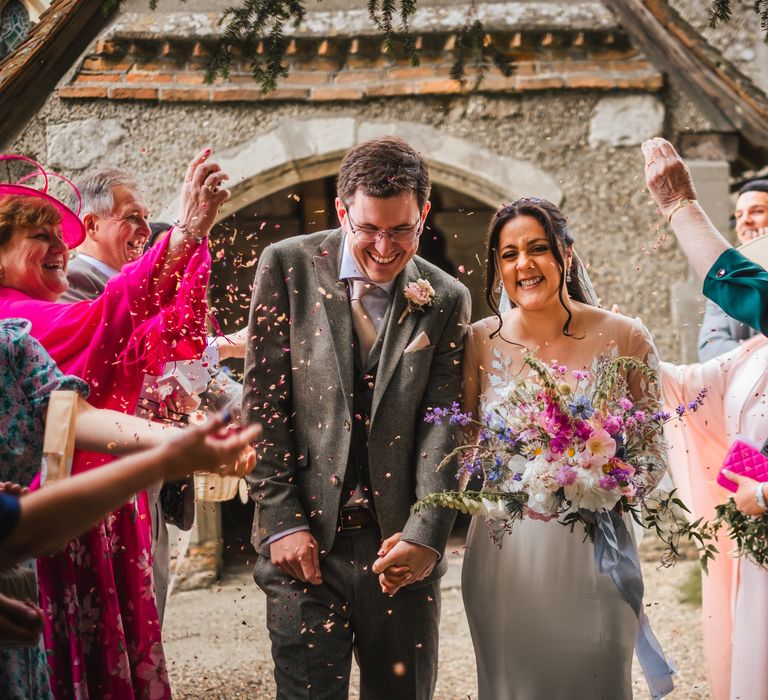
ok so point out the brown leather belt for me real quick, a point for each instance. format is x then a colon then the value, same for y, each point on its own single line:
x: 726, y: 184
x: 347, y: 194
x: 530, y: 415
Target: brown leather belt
x: 355, y: 519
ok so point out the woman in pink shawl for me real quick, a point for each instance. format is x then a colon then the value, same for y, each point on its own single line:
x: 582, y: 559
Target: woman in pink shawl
x: 101, y: 629
x: 735, y: 591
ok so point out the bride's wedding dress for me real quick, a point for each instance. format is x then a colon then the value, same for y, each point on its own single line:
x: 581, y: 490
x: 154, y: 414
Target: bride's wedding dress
x: 545, y: 623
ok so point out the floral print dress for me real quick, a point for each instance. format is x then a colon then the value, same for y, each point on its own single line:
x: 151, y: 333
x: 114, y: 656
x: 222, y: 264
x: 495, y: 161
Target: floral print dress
x: 27, y: 377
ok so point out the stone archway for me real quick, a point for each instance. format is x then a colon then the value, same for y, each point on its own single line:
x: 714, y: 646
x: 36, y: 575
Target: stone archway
x: 303, y: 150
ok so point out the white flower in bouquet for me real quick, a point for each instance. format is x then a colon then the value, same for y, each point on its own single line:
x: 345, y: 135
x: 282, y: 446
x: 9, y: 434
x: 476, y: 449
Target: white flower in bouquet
x: 494, y: 510
x: 586, y: 491
x: 517, y: 464
x: 540, y: 482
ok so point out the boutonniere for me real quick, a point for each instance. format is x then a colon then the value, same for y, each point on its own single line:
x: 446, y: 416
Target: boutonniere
x: 418, y: 294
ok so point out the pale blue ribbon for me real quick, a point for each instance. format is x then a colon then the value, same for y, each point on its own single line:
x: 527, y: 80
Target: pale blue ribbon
x: 616, y: 555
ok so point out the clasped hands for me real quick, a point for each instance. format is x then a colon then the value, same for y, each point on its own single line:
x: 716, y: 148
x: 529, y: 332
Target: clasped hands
x: 400, y: 563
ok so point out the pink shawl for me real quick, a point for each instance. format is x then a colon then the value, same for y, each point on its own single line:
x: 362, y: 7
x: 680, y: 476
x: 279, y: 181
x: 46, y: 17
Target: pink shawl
x: 134, y: 327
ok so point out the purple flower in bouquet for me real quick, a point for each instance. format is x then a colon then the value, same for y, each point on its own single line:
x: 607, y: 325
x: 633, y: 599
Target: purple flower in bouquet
x: 581, y: 407
x: 453, y: 414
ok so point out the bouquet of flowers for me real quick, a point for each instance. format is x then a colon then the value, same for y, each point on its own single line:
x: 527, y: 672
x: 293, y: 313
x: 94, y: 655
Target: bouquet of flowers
x: 547, y: 450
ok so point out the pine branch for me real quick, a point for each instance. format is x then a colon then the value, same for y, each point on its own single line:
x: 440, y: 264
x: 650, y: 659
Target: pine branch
x: 257, y: 23
x: 720, y: 11
x: 383, y: 13
x: 475, y: 49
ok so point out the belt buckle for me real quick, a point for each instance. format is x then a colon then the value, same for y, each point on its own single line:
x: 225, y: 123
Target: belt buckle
x: 346, y: 527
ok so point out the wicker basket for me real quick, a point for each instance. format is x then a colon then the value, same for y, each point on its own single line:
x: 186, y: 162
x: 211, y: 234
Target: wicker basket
x: 214, y: 488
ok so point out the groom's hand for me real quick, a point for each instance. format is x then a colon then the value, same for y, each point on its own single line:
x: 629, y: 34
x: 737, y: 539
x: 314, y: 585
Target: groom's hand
x: 298, y: 555
x: 402, y: 563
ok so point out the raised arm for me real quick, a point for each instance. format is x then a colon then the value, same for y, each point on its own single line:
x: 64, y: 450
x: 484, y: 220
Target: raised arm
x: 201, y: 197
x: 734, y: 283
x: 670, y: 184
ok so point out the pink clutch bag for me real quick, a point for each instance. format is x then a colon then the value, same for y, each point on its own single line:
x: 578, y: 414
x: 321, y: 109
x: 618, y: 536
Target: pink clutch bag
x: 744, y: 458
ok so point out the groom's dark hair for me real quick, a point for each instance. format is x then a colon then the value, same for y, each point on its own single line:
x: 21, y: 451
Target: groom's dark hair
x: 383, y: 167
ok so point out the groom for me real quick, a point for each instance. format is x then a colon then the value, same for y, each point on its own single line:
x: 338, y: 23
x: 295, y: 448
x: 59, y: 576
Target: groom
x: 341, y: 368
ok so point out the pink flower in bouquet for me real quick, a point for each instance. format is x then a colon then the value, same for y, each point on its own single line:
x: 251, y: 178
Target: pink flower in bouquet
x: 612, y: 424
x: 558, y: 425
x: 582, y: 429
x: 600, y: 447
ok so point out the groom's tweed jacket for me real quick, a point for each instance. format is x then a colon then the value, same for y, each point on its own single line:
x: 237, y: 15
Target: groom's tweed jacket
x: 299, y: 385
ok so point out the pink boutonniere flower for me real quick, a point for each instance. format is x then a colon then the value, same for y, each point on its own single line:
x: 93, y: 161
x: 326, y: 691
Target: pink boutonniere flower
x: 418, y: 294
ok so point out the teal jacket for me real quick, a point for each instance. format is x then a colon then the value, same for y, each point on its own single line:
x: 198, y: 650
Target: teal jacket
x: 740, y: 288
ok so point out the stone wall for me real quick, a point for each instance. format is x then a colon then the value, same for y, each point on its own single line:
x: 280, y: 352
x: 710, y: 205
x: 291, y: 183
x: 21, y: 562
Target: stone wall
x: 741, y: 40
x: 600, y: 173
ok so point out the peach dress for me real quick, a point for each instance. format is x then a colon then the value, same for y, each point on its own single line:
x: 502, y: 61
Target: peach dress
x: 735, y: 592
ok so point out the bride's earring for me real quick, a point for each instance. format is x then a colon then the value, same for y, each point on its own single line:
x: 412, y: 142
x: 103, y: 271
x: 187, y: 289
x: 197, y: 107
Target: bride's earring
x: 499, y: 287
x: 568, y: 276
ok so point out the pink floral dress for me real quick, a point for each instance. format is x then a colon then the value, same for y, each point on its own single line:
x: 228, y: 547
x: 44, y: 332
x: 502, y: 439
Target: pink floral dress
x: 102, y: 633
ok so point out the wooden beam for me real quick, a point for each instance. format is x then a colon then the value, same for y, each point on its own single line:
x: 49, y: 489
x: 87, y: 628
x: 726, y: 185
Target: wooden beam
x: 32, y: 71
x: 727, y: 98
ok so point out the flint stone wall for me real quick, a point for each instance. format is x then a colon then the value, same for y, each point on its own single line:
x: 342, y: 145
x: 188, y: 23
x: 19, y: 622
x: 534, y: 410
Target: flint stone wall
x: 618, y: 232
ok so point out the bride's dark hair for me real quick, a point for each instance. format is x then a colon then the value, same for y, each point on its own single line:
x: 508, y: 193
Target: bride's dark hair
x: 560, y: 239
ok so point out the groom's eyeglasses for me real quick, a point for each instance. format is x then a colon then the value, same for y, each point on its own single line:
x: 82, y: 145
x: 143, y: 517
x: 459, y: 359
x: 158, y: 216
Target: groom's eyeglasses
x: 371, y: 234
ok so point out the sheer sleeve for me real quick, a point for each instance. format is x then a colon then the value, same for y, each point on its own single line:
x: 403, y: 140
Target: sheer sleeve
x: 470, y: 390
x: 470, y: 371
x: 646, y: 393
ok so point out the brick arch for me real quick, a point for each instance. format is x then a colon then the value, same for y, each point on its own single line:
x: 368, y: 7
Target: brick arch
x: 304, y: 150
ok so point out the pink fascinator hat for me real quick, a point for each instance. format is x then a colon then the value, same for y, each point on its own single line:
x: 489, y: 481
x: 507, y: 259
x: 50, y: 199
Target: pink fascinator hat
x: 72, y: 229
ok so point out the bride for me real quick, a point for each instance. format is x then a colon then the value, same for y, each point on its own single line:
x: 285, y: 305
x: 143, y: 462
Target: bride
x: 545, y: 622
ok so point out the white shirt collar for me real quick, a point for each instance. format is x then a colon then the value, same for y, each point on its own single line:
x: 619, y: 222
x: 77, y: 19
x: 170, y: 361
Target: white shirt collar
x: 349, y: 269
x: 99, y: 265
